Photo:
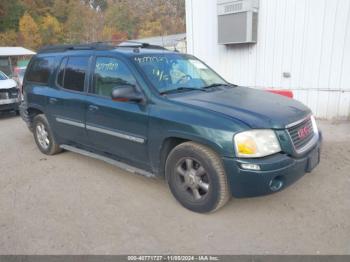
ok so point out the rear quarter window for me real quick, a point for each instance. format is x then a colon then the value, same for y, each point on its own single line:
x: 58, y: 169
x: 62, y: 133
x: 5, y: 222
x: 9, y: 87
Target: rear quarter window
x: 72, y: 73
x: 40, y: 70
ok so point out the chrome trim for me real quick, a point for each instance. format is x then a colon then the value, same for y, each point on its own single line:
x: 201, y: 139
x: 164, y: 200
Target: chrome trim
x: 70, y: 122
x: 8, y: 101
x: 310, y: 144
x: 298, y: 122
x: 115, y: 133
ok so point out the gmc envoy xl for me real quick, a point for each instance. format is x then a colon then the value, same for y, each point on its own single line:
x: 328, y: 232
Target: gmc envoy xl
x: 160, y: 113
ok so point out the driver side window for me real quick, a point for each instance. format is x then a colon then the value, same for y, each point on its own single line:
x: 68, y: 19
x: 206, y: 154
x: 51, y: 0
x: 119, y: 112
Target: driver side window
x: 110, y: 73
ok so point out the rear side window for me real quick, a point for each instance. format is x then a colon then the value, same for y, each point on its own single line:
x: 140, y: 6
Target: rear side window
x: 40, y: 70
x: 72, y: 72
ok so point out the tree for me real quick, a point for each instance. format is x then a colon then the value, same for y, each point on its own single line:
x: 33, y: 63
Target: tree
x: 120, y: 17
x: 38, y: 8
x: 8, y: 38
x: 77, y: 21
x: 112, y: 34
x: 29, y: 31
x: 98, y: 5
x: 51, y: 30
x: 151, y: 28
x: 10, y: 13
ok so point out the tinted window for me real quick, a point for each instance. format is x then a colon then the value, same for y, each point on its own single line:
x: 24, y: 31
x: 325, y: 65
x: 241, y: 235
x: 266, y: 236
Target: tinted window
x: 110, y: 73
x: 40, y: 70
x: 74, y: 73
x: 60, y: 75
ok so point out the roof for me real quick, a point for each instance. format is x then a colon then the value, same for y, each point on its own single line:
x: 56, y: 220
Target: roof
x: 124, y: 47
x: 168, y: 40
x: 15, y: 51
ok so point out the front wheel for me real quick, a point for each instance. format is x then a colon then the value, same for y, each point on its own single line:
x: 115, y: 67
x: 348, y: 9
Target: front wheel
x: 196, y: 177
x: 44, y: 137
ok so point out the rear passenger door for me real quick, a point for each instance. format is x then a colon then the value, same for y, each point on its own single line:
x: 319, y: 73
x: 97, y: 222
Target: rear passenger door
x: 67, y: 104
x: 116, y: 127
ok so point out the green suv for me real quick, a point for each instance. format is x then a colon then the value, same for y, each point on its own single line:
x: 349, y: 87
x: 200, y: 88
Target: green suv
x: 159, y: 113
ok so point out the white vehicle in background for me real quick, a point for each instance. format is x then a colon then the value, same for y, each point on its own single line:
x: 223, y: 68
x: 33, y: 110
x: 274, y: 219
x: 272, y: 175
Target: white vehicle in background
x: 13, y: 62
x: 18, y: 75
x: 9, y: 94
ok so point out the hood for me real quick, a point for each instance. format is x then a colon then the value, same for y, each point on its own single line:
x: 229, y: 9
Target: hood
x: 7, y: 83
x: 256, y: 108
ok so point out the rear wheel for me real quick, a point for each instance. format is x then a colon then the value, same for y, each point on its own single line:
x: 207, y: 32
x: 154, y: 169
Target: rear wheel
x: 44, y: 137
x: 197, y: 178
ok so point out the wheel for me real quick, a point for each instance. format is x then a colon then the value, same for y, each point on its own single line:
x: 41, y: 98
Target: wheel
x: 44, y: 137
x: 196, y: 178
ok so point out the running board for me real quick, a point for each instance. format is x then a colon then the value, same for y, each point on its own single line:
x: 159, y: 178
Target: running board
x: 111, y: 161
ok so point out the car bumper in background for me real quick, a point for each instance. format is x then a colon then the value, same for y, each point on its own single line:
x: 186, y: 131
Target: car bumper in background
x: 9, y: 104
x: 277, y: 172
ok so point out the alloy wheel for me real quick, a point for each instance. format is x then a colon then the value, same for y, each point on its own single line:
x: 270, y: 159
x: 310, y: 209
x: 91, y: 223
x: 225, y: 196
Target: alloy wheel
x: 42, y: 136
x: 192, y: 178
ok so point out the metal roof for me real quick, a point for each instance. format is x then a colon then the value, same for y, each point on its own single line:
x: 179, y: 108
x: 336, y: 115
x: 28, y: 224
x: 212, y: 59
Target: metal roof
x: 168, y: 40
x: 15, y: 51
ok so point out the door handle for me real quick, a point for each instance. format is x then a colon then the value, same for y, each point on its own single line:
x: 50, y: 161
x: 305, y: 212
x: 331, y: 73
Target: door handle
x: 53, y: 100
x: 93, y: 108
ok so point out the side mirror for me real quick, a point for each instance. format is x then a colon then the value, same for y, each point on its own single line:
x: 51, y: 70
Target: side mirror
x: 127, y: 93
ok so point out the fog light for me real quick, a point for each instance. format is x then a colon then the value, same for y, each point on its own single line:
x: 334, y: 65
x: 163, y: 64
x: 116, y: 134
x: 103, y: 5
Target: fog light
x: 276, y: 184
x: 251, y: 167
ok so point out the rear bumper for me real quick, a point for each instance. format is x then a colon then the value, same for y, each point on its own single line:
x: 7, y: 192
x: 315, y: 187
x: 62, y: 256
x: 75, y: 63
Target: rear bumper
x: 279, y: 167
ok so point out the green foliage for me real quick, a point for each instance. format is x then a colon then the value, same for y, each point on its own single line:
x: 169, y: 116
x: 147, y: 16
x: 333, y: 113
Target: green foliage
x: 76, y: 21
x: 10, y: 13
x: 121, y: 19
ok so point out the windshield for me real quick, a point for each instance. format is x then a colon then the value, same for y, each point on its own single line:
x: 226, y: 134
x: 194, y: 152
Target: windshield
x: 3, y: 76
x: 169, y: 72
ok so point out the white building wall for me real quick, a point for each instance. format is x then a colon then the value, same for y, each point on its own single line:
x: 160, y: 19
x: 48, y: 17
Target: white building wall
x: 310, y: 39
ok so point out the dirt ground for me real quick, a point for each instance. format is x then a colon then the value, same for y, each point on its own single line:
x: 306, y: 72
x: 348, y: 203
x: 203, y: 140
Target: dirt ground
x: 71, y: 204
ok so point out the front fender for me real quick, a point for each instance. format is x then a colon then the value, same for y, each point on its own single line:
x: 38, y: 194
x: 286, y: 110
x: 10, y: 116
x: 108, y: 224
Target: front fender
x: 217, y: 140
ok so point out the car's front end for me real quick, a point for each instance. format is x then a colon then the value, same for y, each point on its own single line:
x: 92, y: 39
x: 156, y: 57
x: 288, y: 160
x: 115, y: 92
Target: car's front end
x: 265, y: 141
x: 293, y: 152
x: 9, y: 94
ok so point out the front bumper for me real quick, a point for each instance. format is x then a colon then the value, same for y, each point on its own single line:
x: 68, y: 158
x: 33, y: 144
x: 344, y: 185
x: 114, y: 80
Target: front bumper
x: 280, y: 167
x: 9, y: 104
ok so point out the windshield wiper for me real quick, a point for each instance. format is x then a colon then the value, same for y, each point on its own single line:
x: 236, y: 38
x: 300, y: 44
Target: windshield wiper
x: 180, y: 89
x: 219, y: 84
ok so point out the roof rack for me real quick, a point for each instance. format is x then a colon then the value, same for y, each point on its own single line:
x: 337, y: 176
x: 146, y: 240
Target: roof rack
x: 135, y: 44
x: 88, y: 46
x: 99, y: 46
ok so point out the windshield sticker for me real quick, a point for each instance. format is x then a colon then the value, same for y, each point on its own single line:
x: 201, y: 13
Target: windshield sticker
x: 107, y: 66
x: 151, y: 59
x: 198, y: 64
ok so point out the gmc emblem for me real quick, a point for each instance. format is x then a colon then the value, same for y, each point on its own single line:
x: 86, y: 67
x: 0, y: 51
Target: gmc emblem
x: 303, y: 132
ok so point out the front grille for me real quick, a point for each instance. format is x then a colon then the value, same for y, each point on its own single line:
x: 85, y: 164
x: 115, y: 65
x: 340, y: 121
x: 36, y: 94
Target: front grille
x: 299, y: 137
x: 4, y: 95
x: 8, y: 93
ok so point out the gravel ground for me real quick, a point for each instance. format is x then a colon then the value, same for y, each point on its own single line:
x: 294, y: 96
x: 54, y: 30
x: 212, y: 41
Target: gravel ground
x: 71, y: 204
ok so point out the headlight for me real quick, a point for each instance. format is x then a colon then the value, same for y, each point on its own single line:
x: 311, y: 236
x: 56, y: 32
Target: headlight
x: 314, y: 125
x: 256, y: 143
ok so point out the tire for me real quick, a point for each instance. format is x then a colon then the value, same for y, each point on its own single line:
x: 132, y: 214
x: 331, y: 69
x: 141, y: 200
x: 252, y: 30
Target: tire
x: 40, y: 127
x: 197, y: 178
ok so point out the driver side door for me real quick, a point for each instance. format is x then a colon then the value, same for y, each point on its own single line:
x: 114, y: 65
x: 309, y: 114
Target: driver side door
x: 119, y: 128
